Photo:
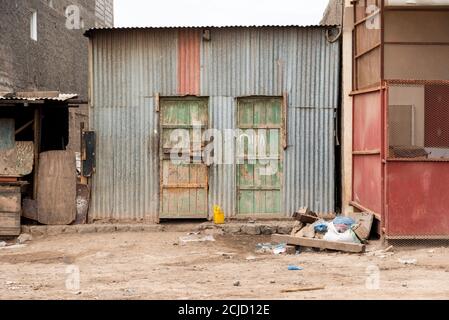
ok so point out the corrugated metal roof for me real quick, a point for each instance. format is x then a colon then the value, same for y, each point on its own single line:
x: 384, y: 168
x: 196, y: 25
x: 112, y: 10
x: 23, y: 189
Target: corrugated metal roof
x: 60, y: 97
x: 88, y: 32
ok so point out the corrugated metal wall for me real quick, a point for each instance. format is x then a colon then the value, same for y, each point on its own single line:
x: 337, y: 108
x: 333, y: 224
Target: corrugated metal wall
x: 131, y: 66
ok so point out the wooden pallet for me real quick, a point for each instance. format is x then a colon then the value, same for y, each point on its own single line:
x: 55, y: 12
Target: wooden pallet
x: 320, y: 244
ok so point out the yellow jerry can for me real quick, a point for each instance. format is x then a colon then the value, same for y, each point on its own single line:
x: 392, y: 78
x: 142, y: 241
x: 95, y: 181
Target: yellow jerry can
x: 219, y: 217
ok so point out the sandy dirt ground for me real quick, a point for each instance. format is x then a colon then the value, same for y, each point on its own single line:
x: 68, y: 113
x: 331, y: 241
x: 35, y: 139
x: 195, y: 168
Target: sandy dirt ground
x: 155, y: 266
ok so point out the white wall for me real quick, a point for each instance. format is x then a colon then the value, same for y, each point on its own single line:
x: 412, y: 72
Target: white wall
x: 414, y: 96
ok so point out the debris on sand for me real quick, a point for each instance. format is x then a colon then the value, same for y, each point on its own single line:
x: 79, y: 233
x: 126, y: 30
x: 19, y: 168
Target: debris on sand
x: 303, y: 289
x: 195, y: 237
x: 410, y: 261
x: 343, y: 233
x: 295, y: 268
x: 24, y: 237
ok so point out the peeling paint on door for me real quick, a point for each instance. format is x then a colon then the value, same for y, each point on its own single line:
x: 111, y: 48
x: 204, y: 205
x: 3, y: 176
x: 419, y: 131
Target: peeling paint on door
x: 184, y: 185
x: 259, y: 192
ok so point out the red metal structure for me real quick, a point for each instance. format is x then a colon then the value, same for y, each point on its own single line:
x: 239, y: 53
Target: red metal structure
x: 401, y: 118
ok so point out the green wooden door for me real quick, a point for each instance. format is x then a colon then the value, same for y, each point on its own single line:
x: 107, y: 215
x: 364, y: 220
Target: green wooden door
x: 259, y: 174
x: 184, y: 182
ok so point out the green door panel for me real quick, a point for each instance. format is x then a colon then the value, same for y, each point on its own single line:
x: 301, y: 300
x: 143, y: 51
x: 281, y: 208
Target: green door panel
x: 184, y: 187
x: 259, y: 176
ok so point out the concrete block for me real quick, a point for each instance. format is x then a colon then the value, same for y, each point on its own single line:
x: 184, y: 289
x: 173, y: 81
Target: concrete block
x: 152, y: 228
x: 54, y: 230
x: 38, y: 231
x: 232, y: 228
x: 268, y: 229
x: 106, y: 228
x: 123, y: 228
x: 285, y: 228
x: 251, y: 229
x: 87, y: 228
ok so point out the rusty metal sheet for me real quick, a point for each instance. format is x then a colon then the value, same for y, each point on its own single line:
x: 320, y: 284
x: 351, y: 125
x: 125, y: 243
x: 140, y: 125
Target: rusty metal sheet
x: 418, y: 199
x: 189, y: 57
x: 367, y: 122
x: 367, y: 182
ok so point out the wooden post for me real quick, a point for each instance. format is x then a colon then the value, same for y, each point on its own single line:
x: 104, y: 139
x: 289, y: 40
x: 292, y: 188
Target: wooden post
x: 82, y: 153
x: 37, y: 146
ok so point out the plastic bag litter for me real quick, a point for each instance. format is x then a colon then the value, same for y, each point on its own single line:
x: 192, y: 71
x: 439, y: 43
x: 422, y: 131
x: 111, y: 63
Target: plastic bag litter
x: 347, y: 236
x: 262, y: 248
x: 280, y: 249
x: 295, y: 268
x: 343, y: 224
x: 321, y: 226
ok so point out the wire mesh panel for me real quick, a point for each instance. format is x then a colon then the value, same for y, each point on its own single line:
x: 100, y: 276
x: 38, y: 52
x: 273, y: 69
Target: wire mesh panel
x: 417, y: 171
x: 418, y: 120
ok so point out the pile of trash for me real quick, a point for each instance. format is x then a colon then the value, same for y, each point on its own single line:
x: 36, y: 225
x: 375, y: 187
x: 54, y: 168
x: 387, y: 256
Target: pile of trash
x: 276, y: 249
x: 340, y: 229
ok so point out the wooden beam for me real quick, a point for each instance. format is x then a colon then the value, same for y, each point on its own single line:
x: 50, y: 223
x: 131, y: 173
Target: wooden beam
x: 366, y: 90
x: 303, y: 289
x: 366, y: 152
x: 362, y: 208
x: 37, y: 148
x: 408, y: 43
x: 284, y: 121
x: 361, y: 54
x: 321, y: 244
x: 33, y: 94
x: 26, y: 125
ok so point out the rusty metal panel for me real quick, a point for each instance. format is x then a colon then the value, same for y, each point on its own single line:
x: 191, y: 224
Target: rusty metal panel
x: 418, y: 199
x: 367, y: 122
x: 367, y: 182
x: 189, y: 53
x: 367, y: 147
x: 222, y: 182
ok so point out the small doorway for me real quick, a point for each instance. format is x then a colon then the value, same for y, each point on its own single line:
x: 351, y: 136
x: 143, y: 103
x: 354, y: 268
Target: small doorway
x: 259, y: 157
x: 183, y: 173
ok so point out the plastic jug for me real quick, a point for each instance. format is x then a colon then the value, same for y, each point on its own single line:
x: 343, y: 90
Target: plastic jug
x: 219, y: 217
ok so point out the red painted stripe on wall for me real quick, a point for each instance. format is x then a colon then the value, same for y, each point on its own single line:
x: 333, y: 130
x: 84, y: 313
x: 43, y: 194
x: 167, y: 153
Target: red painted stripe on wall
x: 189, y: 56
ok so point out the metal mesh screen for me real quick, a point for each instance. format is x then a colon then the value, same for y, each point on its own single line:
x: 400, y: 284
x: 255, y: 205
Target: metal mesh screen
x: 417, y: 174
x: 418, y: 120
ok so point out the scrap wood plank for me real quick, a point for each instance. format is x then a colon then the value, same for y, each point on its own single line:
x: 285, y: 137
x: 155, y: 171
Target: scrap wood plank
x: 56, y: 194
x: 17, y: 161
x: 304, y: 215
x: 317, y: 243
x: 304, y: 289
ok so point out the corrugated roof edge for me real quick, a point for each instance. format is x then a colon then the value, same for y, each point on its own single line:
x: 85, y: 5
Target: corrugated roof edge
x: 61, y: 97
x: 89, y: 32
